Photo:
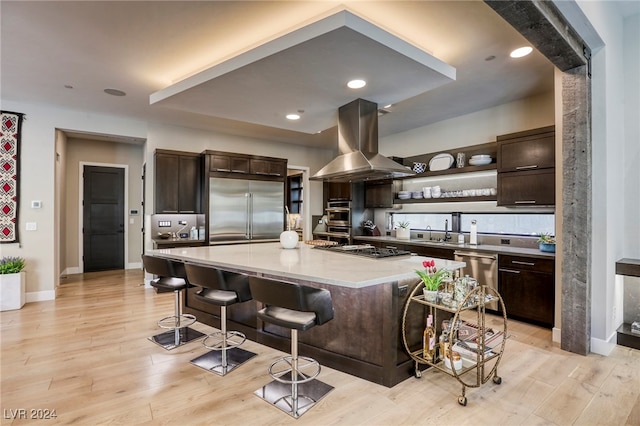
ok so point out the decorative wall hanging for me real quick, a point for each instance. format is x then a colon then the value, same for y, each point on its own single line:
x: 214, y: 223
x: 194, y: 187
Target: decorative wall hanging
x: 10, y: 129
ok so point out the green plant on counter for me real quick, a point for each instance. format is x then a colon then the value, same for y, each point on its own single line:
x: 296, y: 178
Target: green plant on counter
x: 431, y: 276
x: 403, y: 224
x: 546, y: 238
x: 11, y: 265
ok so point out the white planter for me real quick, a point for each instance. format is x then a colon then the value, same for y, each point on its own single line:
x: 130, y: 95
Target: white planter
x: 12, y: 291
x: 403, y: 233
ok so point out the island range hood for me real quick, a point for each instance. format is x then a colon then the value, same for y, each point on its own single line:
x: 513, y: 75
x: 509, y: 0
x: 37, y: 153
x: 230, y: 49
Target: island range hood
x: 358, y: 158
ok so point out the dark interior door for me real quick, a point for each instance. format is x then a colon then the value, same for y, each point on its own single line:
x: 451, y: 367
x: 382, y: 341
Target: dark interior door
x: 103, y: 215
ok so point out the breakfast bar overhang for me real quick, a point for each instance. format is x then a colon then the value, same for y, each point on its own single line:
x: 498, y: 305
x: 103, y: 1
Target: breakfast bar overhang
x: 365, y: 336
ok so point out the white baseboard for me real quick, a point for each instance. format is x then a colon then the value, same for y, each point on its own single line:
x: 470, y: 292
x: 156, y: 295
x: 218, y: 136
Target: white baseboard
x: 40, y: 296
x: 556, y: 335
x: 604, y: 347
x: 71, y: 270
x: 76, y: 269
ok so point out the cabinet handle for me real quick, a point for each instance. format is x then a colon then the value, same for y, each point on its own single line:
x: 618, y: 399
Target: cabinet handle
x: 187, y: 211
x: 261, y: 173
x: 392, y: 247
x: 526, y: 202
x: 481, y: 256
x: 222, y: 170
x: 517, y: 262
x: 533, y: 166
x: 169, y: 211
x: 238, y: 171
x: 511, y: 271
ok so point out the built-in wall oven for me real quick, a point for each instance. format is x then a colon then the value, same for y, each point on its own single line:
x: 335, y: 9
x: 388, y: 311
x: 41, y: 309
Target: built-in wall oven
x: 481, y: 266
x: 339, y: 220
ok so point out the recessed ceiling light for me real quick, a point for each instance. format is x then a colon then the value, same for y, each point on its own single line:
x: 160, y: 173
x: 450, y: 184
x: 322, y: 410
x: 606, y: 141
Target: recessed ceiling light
x: 356, y: 84
x: 114, y: 92
x: 521, y: 51
x: 293, y: 116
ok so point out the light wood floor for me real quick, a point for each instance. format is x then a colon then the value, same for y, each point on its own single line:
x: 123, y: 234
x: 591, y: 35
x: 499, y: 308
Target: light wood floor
x: 86, y: 356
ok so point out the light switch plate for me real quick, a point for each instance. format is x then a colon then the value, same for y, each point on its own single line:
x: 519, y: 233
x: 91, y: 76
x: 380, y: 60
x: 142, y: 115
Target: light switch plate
x: 36, y: 204
x: 31, y: 226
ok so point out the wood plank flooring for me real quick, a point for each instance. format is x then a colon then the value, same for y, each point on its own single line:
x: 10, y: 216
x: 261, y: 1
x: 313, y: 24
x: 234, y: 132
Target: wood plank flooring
x: 86, y: 356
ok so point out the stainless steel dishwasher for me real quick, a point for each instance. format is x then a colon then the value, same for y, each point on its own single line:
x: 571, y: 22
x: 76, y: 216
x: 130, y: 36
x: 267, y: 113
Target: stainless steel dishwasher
x: 481, y: 266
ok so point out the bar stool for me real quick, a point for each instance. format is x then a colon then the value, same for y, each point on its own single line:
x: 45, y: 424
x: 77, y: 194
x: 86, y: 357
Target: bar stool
x: 171, y: 277
x: 294, y: 389
x: 221, y: 288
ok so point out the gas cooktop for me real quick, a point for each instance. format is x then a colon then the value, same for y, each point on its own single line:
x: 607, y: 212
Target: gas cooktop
x: 365, y: 250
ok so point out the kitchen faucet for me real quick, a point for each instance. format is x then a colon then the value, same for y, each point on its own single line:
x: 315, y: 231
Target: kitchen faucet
x: 429, y: 229
x: 447, y: 236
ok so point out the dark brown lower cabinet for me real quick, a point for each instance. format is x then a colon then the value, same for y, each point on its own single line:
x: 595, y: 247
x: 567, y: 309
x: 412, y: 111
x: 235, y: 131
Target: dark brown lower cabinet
x: 527, y: 287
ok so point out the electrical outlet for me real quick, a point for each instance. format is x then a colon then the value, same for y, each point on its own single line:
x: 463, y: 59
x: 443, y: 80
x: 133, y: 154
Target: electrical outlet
x: 420, y: 235
x: 164, y: 224
x: 182, y: 222
x: 613, y: 314
x: 505, y: 241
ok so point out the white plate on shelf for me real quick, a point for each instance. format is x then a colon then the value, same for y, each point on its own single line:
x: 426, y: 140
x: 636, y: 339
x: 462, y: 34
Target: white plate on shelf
x: 441, y: 162
x: 480, y: 161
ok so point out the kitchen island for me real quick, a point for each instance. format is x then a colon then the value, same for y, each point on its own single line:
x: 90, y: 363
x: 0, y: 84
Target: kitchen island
x: 365, y: 336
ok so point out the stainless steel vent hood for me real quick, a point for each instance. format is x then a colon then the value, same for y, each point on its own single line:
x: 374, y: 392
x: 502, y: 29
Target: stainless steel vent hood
x: 358, y: 157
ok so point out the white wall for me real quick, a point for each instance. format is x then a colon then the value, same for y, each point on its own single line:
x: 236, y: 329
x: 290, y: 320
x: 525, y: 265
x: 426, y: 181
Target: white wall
x: 614, y: 140
x: 473, y: 129
x: 38, y: 182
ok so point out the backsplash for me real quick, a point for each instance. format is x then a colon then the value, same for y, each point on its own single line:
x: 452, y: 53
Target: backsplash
x: 175, y: 223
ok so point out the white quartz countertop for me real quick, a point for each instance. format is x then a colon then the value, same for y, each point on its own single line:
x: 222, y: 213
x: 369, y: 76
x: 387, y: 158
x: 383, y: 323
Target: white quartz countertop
x: 305, y: 263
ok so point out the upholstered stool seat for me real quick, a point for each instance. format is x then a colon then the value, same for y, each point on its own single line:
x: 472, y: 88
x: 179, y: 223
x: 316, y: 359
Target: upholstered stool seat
x: 294, y: 388
x: 223, y: 289
x: 171, y: 277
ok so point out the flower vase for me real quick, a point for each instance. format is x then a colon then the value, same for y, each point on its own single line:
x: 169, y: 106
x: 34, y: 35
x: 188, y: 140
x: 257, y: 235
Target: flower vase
x: 403, y: 233
x: 430, y: 295
x: 548, y: 247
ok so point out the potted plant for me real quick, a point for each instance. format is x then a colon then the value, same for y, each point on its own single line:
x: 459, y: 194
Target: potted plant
x: 402, y: 231
x: 431, y: 278
x: 12, y: 283
x: 547, y: 243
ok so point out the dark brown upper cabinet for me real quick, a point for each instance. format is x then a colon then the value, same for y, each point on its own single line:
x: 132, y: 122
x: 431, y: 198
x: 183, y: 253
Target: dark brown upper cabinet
x: 526, y: 168
x: 177, y: 182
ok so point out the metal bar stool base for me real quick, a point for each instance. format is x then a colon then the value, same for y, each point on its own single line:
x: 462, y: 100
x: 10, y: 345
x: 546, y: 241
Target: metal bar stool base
x: 279, y: 395
x: 212, y: 361
x: 168, y: 339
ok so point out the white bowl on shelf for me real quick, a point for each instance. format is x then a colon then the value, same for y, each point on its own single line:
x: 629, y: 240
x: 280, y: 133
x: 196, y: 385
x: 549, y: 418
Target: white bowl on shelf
x: 480, y: 161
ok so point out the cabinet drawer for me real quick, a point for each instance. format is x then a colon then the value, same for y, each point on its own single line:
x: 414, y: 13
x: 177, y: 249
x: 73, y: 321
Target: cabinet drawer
x: 530, y: 188
x: 530, y: 152
x: 526, y: 263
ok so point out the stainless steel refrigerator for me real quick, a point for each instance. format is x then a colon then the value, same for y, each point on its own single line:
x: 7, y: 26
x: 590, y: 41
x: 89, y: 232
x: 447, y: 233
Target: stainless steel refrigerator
x: 245, y: 210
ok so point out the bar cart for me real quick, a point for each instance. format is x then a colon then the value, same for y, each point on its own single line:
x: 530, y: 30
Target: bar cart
x: 481, y: 347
